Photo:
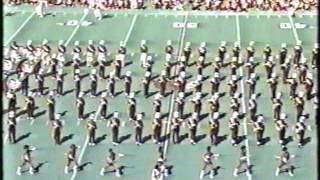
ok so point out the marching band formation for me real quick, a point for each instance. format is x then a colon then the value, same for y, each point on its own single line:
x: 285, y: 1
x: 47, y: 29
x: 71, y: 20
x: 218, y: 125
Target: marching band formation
x: 44, y: 61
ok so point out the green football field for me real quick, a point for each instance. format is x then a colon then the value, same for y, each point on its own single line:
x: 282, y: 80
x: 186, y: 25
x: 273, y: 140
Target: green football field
x: 21, y: 24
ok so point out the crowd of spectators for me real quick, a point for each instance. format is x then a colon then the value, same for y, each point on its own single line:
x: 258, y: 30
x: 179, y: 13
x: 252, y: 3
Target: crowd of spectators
x: 218, y: 5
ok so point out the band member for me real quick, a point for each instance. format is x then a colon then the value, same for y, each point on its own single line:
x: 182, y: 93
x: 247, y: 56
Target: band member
x: 214, y: 127
x: 267, y: 52
x: 24, y: 83
x: 273, y: 81
x: 281, y: 126
x: 157, y: 103
x: 61, y: 53
x: 200, y: 65
x: 277, y: 106
x: 236, y: 50
x: 251, y: 65
x: 76, y: 51
x: 12, y: 123
x: 131, y: 106
x: 197, y: 104
x: 128, y: 82
x: 115, y: 125
x: 300, y: 129
x: 143, y: 51
x: 40, y: 80
x: 181, y: 82
x: 309, y: 86
x: 215, y: 83
x: 80, y: 103
x: 297, y: 54
x: 138, y: 124
x: 103, y: 106
x: 192, y: 125
x: 234, y: 128
x: 208, y: 164
x: 252, y: 81
x: 243, y: 162
x: 202, y: 50
x: 111, y: 86
x: 71, y: 159
x: 214, y: 103
x: 299, y: 102
x: 102, y: 53
x: 77, y: 80
x: 175, y: 127
x: 222, y: 51
x: 93, y: 83
x: 90, y: 52
x: 187, y: 52
x: 156, y: 126
x: 111, y: 163
x: 302, y: 69
x: 250, y: 50
x: 284, y: 158
x: 169, y: 49
x: 253, y: 108
x: 234, y: 103
x: 57, y: 125
x: 92, y: 127
x: 26, y: 160
x: 293, y: 85
x: 101, y: 70
x: 269, y: 65
x: 179, y: 104
x: 117, y: 67
x: 258, y: 128
x: 234, y: 66
x: 315, y: 56
x: 233, y: 85
x: 51, y: 106
x: 60, y: 79
x: 53, y: 66
x: 30, y: 107
x: 146, y: 83
x: 12, y: 100
x: 163, y: 83
x: 285, y: 67
x: 283, y: 53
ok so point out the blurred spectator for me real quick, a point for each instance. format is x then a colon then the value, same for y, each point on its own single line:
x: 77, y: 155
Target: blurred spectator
x: 216, y: 5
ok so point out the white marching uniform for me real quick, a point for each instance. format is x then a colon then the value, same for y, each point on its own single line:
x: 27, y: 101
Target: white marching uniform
x: 143, y: 59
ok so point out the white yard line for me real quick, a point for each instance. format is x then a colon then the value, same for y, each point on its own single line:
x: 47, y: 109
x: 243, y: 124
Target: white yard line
x: 133, y: 22
x: 243, y: 100
x: 87, y: 139
x: 294, y: 30
x: 20, y: 28
x: 295, y: 34
x: 80, y: 157
x: 166, y: 143
x: 84, y: 147
x: 76, y: 29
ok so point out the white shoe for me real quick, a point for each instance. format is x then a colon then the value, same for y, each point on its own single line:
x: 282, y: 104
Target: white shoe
x: 235, y: 172
x: 102, y: 172
x: 75, y: 168
x: 19, y: 171
x: 118, y: 173
x: 201, y: 174
x: 277, y: 172
x: 66, y: 170
x: 31, y: 170
x: 290, y: 174
x: 211, y: 176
